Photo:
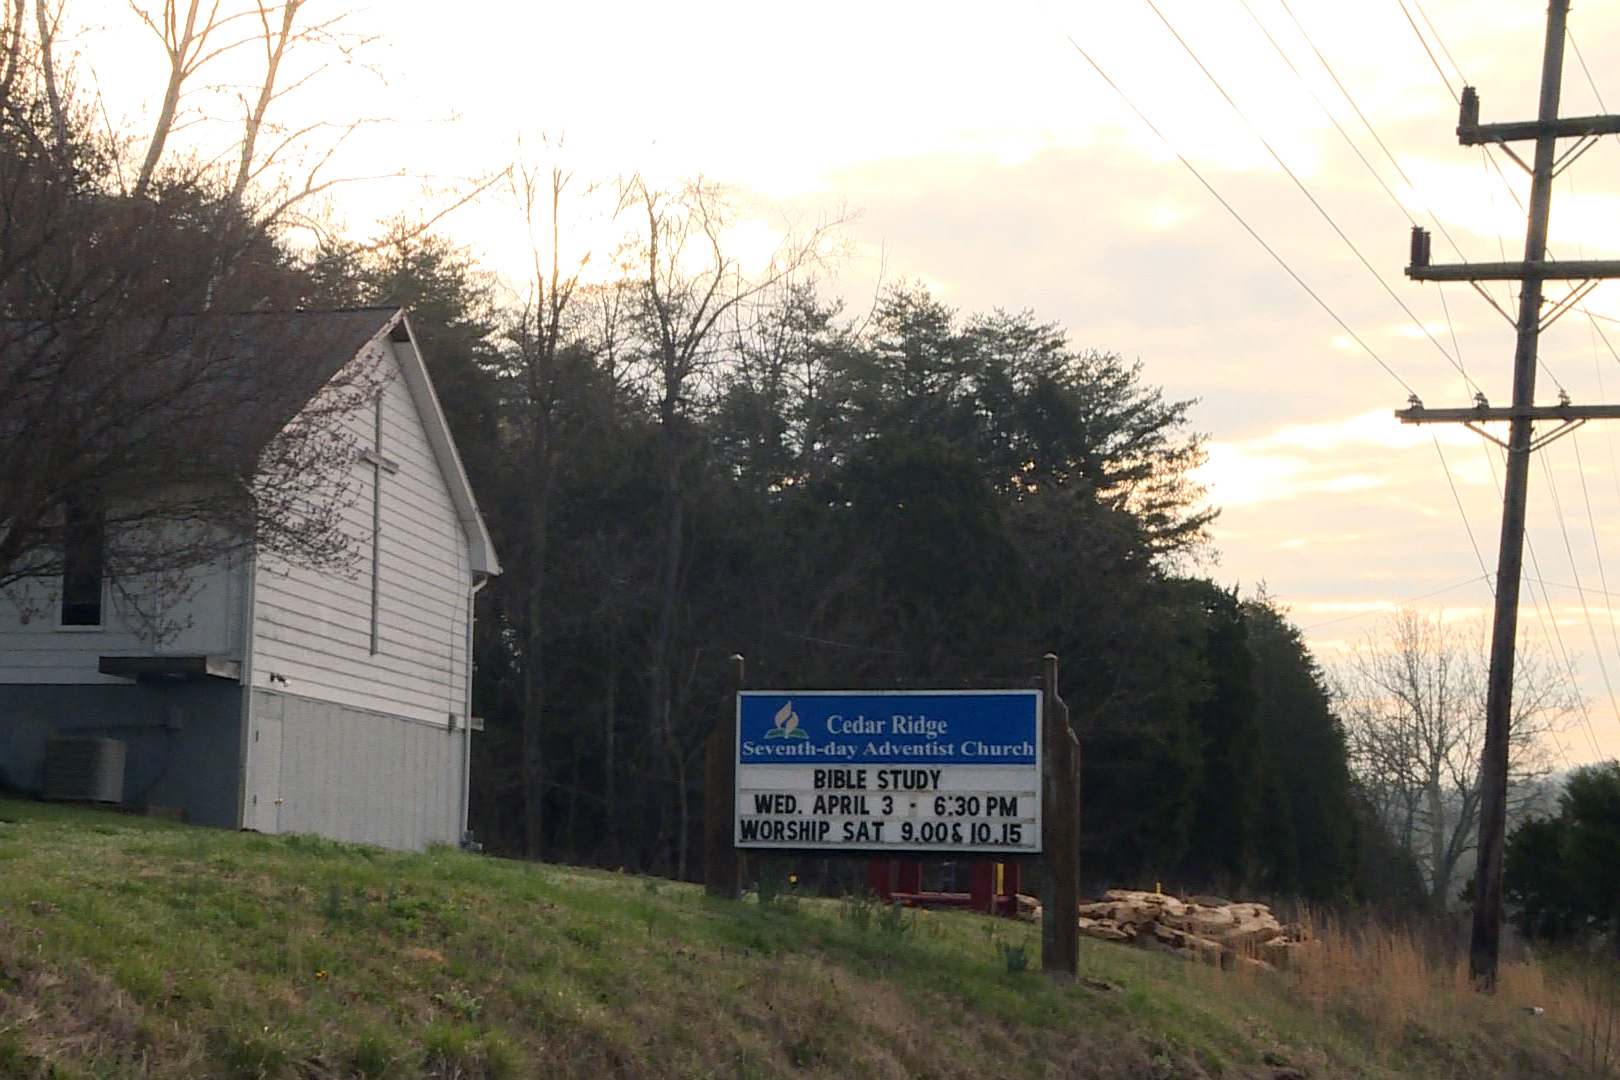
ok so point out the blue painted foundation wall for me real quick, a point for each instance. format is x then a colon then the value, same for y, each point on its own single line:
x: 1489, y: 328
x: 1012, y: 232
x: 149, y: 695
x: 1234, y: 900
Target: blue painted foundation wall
x: 183, y: 741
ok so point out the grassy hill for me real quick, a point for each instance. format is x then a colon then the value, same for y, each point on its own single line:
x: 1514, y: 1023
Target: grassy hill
x: 133, y: 948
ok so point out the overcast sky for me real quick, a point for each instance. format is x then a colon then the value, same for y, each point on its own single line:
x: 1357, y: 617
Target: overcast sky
x: 987, y: 158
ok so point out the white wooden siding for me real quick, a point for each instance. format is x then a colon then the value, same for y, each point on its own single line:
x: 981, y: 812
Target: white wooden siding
x: 40, y: 651
x: 312, y: 630
x: 353, y: 774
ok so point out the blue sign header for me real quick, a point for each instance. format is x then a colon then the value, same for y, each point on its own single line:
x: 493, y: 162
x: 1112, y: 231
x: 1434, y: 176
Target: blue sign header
x: 942, y: 727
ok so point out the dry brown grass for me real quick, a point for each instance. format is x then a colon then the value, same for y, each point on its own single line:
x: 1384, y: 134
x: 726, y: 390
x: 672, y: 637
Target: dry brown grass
x: 1387, y: 976
x: 1401, y: 986
x: 1586, y: 1000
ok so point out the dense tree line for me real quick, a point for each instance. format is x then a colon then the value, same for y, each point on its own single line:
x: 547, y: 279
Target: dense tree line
x: 911, y: 498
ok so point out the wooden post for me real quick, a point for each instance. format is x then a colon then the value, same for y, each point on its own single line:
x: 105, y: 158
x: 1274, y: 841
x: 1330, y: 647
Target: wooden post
x: 1060, y: 833
x: 721, y: 877
x: 982, y: 886
x: 1485, y: 942
x: 880, y: 878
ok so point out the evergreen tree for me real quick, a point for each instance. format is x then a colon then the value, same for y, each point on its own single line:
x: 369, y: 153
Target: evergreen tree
x: 1562, y: 874
x: 1307, y: 844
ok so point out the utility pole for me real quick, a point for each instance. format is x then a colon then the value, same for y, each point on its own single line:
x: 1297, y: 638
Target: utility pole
x: 1545, y: 130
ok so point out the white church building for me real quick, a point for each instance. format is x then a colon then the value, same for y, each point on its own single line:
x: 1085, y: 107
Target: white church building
x: 286, y: 699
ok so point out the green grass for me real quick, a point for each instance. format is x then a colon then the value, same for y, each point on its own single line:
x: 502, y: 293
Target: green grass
x: 133, y: 948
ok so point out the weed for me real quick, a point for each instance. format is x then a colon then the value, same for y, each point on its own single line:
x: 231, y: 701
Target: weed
x: 863, y: 912
x: 138, y: 976
x: 805, y: 1052
x: 895, y: 921
x: 333, y: 910
x: 14, y: 1057
x: 452, y: 1050
x: 858, y: 911
x: 784, y: 903
x: 1016, y: 956
x: 777, y: 889
x: 254, y: 1053
x: 502, y: 1060
x: 373, y: 1055
x: 586, y: 937
x: 410, y: 911
x: 465, y: 1005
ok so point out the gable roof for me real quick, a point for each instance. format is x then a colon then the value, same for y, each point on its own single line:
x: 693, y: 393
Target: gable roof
x: 282, y: 359
x: 197, y: 394
x: 288, y: 357
x: 414, y: 370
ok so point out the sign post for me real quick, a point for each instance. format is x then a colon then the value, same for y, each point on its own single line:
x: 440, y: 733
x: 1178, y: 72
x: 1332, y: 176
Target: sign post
x: 721, y: 875
x: 936, y: 771
x: 1060, y: 781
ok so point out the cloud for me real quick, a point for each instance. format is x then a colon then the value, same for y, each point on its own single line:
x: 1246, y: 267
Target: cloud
x: 1344, y: 455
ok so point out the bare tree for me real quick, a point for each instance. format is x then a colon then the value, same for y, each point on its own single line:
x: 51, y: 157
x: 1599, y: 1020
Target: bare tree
x: 186, y: 33
x: 195, y: 34
x: 12, y: 46
x: 47, y: 19
x: 691, y: 290
x: 538, y: 372
x: 1412, y: 697
x: 177, y: 436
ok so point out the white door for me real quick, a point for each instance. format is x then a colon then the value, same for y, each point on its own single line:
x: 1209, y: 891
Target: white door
x: 264, y: 768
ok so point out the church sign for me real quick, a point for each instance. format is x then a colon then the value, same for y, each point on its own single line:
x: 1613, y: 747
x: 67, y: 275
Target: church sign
x: 889, y: 771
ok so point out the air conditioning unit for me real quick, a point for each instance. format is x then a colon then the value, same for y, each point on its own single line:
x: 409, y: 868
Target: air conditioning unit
x: 84, y: 769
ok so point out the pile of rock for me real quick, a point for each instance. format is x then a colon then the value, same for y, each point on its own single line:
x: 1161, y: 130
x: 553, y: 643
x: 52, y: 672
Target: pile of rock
x: 1202, y: 928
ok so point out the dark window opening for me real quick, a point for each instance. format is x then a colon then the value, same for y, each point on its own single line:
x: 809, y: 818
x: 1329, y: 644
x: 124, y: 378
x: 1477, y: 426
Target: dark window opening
x: 82, y: 565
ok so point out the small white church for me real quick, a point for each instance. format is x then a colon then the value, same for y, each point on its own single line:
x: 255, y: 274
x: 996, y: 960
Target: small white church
x: 285, y: 699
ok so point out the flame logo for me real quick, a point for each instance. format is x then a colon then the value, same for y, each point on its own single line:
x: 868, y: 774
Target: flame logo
x: 786, y: 724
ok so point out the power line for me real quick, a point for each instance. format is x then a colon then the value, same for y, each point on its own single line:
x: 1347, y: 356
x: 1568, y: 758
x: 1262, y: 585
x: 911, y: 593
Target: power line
x: 1399, y: 171
x: 1425, y: 42
x: 1581, y: 710
x: 1321, y: 105
x: 1350, y: 98
x: 1597, y: 547
x: 1392, y: 607
x: 1208, y: 186
x: 1230, y: 209
x: 1483, y: 570
x: 1303, y: 189
x: 1556, y: 638
x: 1586, y: 70
x: 1545, y: 618
x: 1569, y: 550
x: 1566, y: 585
x: 1549, y: 624
x: 1580, y: 472
x: 1467, y: 527
x: 1440, y: 41
x: 1491, y: 162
